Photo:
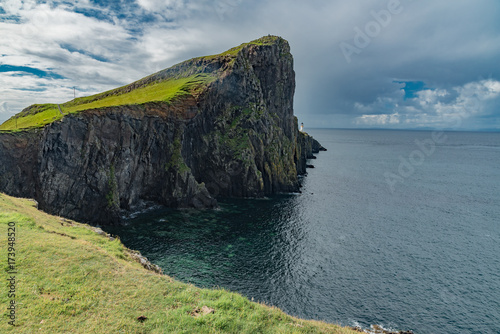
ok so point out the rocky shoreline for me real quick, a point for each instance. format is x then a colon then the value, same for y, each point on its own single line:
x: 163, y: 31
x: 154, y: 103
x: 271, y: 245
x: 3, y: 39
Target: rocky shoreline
x: 375, y: 329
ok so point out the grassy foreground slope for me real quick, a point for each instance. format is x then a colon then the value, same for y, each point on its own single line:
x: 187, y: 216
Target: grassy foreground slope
x: 73, y: 280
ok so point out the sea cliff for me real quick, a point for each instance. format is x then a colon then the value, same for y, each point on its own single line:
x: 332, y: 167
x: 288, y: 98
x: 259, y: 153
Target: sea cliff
x: 225, y: 128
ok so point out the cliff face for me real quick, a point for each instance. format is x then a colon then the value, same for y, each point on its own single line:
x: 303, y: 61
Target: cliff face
x: 236, y: 136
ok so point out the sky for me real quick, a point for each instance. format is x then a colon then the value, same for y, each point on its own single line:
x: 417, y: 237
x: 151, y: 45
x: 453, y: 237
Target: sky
x: 397, y: 64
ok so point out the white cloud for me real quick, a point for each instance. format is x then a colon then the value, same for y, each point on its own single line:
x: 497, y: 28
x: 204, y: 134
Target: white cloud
x: 430, y: 108
x: 380, y: 120
x: 429, y: 96
x: 443, y: 44
x: 175, y: 9
x: 160, y: 5
x: 480, y: 90
x: 57, y: 38
x: 40, y: 40
x: 4, y: 107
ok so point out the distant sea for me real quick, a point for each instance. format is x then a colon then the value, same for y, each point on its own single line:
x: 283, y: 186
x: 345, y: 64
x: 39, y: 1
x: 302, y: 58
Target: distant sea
x: 395, y: 228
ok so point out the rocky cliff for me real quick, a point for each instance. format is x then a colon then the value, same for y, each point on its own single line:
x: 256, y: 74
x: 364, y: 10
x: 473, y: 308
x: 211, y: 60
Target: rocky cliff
x: 233, y: 134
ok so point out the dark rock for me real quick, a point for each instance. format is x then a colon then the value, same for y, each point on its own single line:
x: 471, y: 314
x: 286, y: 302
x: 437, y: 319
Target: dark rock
x: 376, y: 329
x: 142, y: 318
x: 145, y: 262
x: 237, y: 137
x: 316, y: 146
x: 310, y: 166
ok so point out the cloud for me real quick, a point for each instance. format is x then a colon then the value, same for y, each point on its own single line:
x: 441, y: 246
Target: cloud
x: 383, y: 119
x: 161, y: 5
x: 26, y: 70
x: 436, y: 50
x: 439, y: 44
x: 431, y: 107
x: 429, y: 97
x: 4, y: 107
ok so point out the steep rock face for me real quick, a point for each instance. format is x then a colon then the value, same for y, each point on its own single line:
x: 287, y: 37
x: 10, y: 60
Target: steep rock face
x: 236, y: 137
x: 18, y: 162
x: 101, y: 163
x: 243, y: 140
x: 306, y: 146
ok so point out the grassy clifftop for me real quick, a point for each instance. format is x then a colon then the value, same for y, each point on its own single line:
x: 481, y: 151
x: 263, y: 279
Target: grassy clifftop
x: 185, y: 79
x: 73, y: 280
x: 39, y: 115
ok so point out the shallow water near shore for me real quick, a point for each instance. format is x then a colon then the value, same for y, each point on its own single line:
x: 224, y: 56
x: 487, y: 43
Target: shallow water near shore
x: 419, y: 253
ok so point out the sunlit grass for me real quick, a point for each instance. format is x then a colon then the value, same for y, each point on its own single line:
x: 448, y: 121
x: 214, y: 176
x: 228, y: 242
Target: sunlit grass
x: 72, y: 280
x: 164, y: 91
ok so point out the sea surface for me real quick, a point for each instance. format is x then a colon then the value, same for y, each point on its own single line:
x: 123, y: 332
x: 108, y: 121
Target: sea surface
x: 395, y: 228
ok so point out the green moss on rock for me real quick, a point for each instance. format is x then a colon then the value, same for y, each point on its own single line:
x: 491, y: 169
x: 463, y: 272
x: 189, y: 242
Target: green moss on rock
x: 177, y: 162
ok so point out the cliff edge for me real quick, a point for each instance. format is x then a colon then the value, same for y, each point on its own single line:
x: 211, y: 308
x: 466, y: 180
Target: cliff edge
x: 212, y: 126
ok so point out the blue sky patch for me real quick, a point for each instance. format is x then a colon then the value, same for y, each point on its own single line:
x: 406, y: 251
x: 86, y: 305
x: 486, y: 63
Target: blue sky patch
x: 30, y: 71
x: 411, y: 88
x: 72, y: 49
x: 32, y: 89
x: 93, y: 13
x: 9, y: 18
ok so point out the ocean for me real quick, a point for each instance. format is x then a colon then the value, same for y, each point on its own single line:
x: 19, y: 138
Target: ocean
x: 395, y: 228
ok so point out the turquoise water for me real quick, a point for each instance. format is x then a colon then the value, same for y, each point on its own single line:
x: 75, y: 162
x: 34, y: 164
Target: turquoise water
x: 381, y: 234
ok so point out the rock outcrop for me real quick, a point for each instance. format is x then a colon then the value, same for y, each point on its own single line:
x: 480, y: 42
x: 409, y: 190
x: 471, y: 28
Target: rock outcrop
x: 236, y: 136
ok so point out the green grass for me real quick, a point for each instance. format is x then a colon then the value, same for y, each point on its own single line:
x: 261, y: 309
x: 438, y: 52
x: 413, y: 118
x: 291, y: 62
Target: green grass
x: 176, y: 161
x: 266, y: 40
x: 46, y: 113
x: 150, y: 89
x: 164, y: 91
x: 72, y: 280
